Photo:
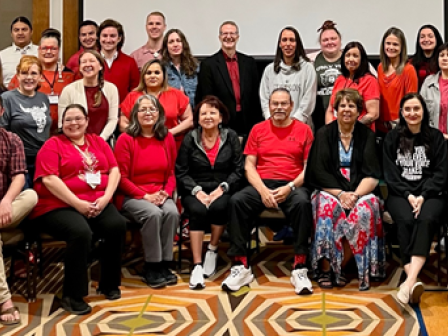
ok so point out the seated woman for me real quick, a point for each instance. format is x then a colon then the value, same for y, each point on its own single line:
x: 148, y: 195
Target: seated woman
x: 98, y: 97
x: 76, y: 177
x: 415, y: 170
x: 55, y: 76
x: 154, y: 81
x: 146, y: 155
x: 435, y: 93
x: 209, y: 169
x: 27, y: 112
x: 182, y: 67
x: 356, y: 75
x: 344, y: 169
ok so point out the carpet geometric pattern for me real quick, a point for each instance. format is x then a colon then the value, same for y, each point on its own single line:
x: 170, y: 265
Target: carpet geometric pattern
x: 268, y: 307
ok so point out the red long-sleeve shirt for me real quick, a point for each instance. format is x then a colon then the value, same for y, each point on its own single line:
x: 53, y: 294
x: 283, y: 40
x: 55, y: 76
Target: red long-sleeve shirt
x: 146, y: 165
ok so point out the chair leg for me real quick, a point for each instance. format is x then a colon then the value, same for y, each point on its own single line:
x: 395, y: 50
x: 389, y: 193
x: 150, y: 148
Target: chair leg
x: 179, y: 248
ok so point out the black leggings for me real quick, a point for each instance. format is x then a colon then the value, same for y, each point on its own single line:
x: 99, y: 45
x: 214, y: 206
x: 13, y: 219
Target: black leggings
x: 415, y: 235
x: 76, y: 230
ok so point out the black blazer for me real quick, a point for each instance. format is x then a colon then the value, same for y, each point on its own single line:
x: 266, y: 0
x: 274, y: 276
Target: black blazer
x: 214, y: 79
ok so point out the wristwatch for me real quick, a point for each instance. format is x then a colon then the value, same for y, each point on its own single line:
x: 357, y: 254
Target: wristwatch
x: 224, y: 186
x: 292, y: 186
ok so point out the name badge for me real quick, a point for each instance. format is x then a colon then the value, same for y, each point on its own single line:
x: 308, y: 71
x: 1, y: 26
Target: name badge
x: 93, y: 178
x: 53, y: 98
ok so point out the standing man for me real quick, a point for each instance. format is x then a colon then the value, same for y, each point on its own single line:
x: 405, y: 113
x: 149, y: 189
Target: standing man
x: 88, y: 31
x: 15, y: 205
x: 276, y: 154
x: 233, y: 78
x: 155, y: 28
x: 21, y: 33
x: 120, y: 69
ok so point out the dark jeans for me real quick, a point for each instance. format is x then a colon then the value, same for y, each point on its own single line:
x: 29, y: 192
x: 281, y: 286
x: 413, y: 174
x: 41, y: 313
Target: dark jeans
x: 200, y: 217
x: 246, y: 205
x: 415, y: 235
x: 76, y: 230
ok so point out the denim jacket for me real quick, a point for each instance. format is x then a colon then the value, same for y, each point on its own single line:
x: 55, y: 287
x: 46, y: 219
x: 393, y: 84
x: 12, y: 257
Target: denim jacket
x: 181, y: 81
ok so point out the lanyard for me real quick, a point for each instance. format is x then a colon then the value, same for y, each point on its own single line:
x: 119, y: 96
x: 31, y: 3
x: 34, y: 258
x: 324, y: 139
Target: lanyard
x: 54, y: 78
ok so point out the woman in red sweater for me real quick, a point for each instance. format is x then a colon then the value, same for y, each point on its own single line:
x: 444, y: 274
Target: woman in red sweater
x: 396, y: 78
x: 76, y: 177
x: 356, y: 75
x: 146, y: 156
x: 154, y: 81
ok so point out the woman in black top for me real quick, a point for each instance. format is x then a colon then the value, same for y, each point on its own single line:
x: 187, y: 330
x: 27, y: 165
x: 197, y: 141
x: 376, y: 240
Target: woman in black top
x: 209, y: 169
x: 344, y: 170
x: 415, y: 170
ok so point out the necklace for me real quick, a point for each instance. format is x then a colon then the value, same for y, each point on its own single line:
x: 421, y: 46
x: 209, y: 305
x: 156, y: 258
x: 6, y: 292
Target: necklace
x: 209, y: 143
x: 346, y: 135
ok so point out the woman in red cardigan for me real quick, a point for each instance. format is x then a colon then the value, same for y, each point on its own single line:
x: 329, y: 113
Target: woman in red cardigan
x: 146, y: 156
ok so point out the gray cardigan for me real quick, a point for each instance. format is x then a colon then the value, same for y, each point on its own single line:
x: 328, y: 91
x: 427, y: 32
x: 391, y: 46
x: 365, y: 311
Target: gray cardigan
x: 431, y: 93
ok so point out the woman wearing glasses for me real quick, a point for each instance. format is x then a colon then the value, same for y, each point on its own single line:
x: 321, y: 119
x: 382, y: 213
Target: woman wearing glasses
x: 76, y: 177
x: 55, y: 76
x: 27, y: 112
x: 146, y: 156
x: 154, y: 81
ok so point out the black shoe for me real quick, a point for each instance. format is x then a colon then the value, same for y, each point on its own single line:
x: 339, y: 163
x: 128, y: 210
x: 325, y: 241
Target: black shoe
x: 153, y: 276
x: 113, y: 294
x: 170, y: 278
x: 75, y: 306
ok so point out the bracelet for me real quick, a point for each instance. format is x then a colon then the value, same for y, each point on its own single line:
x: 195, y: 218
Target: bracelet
x: 339, y: 195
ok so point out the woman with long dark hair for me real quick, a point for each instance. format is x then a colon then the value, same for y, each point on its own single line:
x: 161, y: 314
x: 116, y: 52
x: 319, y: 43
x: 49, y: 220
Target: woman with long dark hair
x: 182, y: 67
x: 415, y: 170
x: 292, y: 70
x: 356, y: 75
x: 425, y: 59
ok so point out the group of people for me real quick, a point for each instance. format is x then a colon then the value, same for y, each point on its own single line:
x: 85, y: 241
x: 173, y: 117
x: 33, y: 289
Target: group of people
x: 111, y: 135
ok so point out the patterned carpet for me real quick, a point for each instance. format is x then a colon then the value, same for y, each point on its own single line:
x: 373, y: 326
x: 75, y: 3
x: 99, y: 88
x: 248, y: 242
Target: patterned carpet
x: 268, y: 307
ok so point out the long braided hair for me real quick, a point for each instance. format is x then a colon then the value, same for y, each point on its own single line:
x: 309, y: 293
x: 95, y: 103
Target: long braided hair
x: 100, y: 59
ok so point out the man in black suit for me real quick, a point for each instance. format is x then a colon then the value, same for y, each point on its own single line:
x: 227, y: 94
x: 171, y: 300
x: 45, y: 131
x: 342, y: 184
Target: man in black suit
x: 233, y: 78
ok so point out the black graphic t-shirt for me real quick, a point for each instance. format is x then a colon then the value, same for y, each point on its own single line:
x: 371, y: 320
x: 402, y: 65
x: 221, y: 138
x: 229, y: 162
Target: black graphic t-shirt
x: 418, y: 172
x: 327, y: 72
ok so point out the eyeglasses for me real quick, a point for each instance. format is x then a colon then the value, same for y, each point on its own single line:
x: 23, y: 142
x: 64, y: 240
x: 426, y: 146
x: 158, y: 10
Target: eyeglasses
x: 32, y: 74
x: 77, y: 120
x: 280, y: 104
x: 229, y: 34
x: 45, y: 49
x: 150, y: 110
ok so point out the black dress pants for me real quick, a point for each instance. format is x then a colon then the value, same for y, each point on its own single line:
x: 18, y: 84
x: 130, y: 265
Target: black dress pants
x: 70, y: 226
x: 246, y: 205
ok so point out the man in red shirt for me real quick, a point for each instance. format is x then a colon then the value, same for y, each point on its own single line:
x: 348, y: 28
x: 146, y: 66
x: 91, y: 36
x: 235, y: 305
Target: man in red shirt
x: 88, y: 40
x: 120, y: 69
x: 15, y: 205
x: 276, y: 154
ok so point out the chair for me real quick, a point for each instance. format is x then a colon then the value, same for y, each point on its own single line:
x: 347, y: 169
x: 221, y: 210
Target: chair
x: 14, y: 240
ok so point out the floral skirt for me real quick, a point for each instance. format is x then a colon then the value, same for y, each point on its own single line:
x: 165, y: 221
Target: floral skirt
x: 362, y: 228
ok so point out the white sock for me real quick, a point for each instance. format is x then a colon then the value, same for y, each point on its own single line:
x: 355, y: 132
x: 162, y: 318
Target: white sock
x: 212, y: 247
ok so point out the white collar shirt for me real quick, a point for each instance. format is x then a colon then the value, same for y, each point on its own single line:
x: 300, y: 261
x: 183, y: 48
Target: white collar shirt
x: 10, y: 57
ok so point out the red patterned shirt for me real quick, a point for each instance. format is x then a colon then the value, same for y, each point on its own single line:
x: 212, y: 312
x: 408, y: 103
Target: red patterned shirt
x: 13, y: 159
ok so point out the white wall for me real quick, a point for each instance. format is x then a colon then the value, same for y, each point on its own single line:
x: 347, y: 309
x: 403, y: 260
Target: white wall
x: 260, y: 21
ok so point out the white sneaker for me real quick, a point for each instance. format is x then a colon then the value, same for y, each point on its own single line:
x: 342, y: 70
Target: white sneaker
x: 210, y: 263
x: 197, y: 278
x: 299, y: 279
x: 239, y: 276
